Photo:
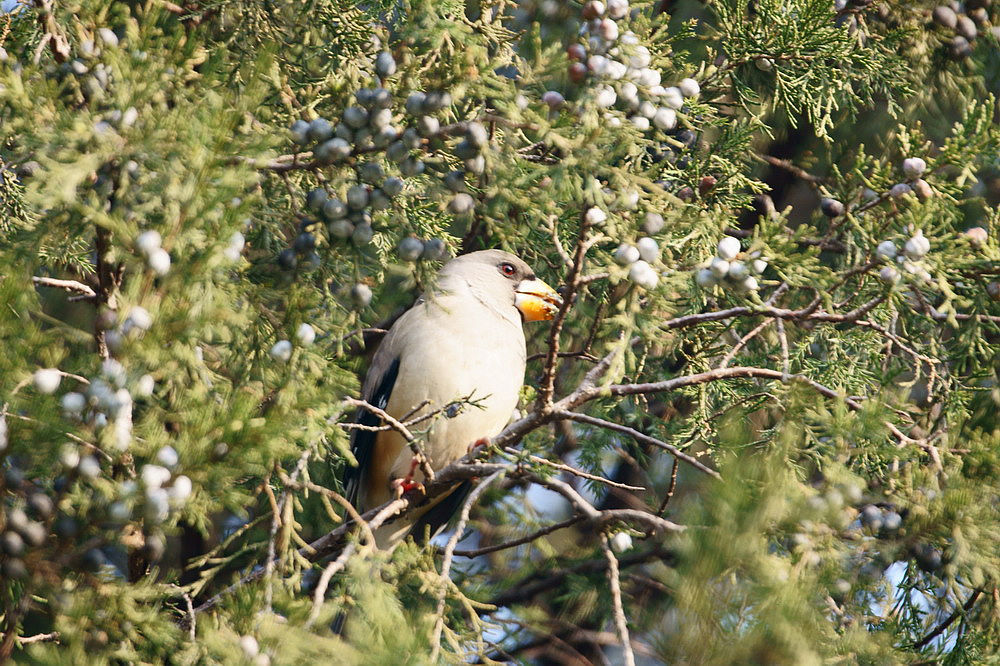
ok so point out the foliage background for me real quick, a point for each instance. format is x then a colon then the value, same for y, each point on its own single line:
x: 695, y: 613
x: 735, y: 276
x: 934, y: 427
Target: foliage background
x: 855, y: 514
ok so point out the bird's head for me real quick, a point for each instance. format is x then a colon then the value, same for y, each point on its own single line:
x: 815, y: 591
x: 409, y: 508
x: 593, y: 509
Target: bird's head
x: 505, y: 279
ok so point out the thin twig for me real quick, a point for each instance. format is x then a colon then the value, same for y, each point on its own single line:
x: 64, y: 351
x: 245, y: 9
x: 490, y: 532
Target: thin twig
x: 966, y: 607
x: 785, y: 362
x: 574, y: 471
x: 571, y: 286
x: 449, y: 553
x: 557, y: 243
x: 38, y: 638
x: 278, y: 510
x: 193, y: 627
x: 638, y: 436
x: 418, y: 452
x: 670, y: 490
x: 319, y: 594
x: 727, y: 359
x: 621, y: 623
x: 68, y: 285
x: 514, y: 543
x: 383, y: 514
x: 808, y: 313
x: 798, y: 172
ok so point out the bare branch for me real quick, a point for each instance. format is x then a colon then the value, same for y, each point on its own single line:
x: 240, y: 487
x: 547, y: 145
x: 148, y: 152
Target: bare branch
x: 798, y: 172
x: 38, y: 638
x: 571, y: 286
x: 418, y: 452
x: 514, y: 543
x: 68, y: 285
x: 449, y: 553
x: 319, y: 594
x: 727, y: 359
x: 640, y: 437
x: 670, y: 490
x: 576, y: 472
x: 579, y: 397
x: 959, y: 612
x: 193, y: 627
x: 806, y: 314
x: 621, y: 623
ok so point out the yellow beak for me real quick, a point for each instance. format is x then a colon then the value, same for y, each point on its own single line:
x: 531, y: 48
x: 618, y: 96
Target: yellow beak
x: 536, y: 300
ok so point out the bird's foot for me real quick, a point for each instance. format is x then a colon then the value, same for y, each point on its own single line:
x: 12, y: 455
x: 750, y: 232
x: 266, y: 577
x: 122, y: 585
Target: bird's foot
x: 407, y: 485
x: 478, y: 444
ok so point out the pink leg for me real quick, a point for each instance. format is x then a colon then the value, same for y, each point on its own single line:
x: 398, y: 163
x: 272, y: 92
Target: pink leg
x: 407, y: 484
x: 478, y: 444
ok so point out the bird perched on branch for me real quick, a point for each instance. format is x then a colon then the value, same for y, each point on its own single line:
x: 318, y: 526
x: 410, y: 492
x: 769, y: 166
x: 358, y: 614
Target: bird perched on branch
x: 459, y: 352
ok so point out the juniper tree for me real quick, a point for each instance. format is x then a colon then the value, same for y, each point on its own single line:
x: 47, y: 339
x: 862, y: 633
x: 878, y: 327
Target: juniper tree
x: 764, y: 417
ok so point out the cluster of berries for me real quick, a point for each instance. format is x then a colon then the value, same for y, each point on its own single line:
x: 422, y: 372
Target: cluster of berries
x: 910, y: 260
x: 727, y: 269
x: 964, y: 20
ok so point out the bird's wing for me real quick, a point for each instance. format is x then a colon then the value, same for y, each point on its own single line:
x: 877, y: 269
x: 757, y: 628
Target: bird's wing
x: 440, y: 512
x: 363, y: 441
x: 435, y: 353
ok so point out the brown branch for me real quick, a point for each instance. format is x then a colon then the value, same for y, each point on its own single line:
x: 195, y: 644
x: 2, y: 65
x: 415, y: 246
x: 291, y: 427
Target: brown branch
x: 514, y: 543
x: 639, y: 437
x: 68, y: 285
x: 449, y: 552
x: 105, y: 286
x: 418, y: 452
x: 705, y: 377
x: 808, y: 313
x: 571, y: 286
x: 535, y: 584
x: 576, y: 472
x: 959, y: 612
x: 727, y: 359
x: 38, y: 638
x: 614, y: 582
x: 670, y: 490
x: 787, y: 165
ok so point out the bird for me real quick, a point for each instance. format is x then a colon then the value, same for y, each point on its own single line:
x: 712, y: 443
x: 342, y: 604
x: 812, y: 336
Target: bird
x: 460, y: 352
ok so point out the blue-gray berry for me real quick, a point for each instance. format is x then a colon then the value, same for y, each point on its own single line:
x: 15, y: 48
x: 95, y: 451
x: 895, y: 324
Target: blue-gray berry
x: 434, y: 249
x: 332, y: 151
x: 319, y: 130
x: 363, y: 234
x: 415, y: 103
x: 411, y: 167
x: 393, y: 186
x: 355, y: 117
x: 371, y: 172
x: 455, y: 181
x: 334, y: 209
x: 385, y: 64
x: 357, y: 197
x: 299, y: 131
x: 428, y: 125
x: 316, y: 198
x: 397, y: 151
x: 410, y: 248
x: 461, y: 204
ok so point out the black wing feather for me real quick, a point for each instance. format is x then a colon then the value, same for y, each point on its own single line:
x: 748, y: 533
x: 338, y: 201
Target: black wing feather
x: 363, y: 441
x: 441, y: 513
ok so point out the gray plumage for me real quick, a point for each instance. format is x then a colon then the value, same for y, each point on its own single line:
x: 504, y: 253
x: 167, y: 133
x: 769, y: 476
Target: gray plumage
x: 461, y: 340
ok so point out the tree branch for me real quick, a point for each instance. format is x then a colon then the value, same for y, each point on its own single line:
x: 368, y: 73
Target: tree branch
x: 68, y: 285
x: 621, y: 623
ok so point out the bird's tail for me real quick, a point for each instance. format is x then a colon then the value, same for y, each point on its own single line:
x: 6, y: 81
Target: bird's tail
x: 424, y: 524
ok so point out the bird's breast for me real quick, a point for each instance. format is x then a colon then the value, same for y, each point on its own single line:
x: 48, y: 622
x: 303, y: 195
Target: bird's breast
x: 466, y: 363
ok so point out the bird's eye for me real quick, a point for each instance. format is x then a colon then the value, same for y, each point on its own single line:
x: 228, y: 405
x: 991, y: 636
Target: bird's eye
x: 507, y: 269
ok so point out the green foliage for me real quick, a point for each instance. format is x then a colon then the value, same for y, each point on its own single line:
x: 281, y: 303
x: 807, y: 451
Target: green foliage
x: 157, y: 247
